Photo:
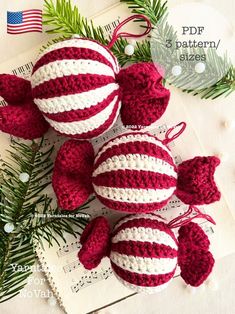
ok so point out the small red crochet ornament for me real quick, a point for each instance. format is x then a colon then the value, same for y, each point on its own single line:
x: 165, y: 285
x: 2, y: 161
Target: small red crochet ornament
x: 134, y: 172
x: 144, y: 251
x: 78, y: 88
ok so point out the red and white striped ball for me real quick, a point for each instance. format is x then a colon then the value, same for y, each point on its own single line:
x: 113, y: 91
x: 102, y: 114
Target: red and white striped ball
x: 74, y: 86
x: 134, y: 172
x: 144, y: 252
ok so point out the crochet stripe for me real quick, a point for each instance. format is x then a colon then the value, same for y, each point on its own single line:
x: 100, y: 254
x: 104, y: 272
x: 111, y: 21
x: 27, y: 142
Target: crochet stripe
x: 68, y: 53
x: 145, y: 234
x: 144, y: 249
x: 149, y: 224
x: 69, y: 85
x: 63, y: 68
x: 83, y: 114
x: 144, y: 265
x: 135, y: 162
x: 83, y: 100
x: 134, y: 196
x: 134, y: 179
x: 100, y: 130
x: 142, y: 279
x: 141, y: 289
x: 132, y: 138
x: 83, y: 43
x: 84, y: 126
x: 131, y: 207
x: 127, y: 218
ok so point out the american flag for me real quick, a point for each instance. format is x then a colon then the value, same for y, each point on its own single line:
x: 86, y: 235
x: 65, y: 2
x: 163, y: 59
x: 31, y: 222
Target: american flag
x: 24, y: 21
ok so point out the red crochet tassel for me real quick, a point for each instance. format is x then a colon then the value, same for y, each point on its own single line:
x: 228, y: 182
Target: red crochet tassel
x: 95, y: 242
x: 72, y: 174
x: 144, y: 99
x: 196, y: 184
x: 194, y: 259
x: 20, y: 117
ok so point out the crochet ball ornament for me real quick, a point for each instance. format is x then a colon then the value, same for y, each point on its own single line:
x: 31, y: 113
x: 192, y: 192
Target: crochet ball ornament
x: 74, y: 86
x: 144, y: 251
x: 78, y: 88
x: 133, y: 172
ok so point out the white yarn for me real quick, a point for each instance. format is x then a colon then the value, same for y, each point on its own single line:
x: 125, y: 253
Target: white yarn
x: 84, y: 126
x: 143, y: 289
x: 83, y: 43
x: 145, y: 235
x: 61, y: 68
x: 135, y: 162
x: 82, y: 100
x: 138, y: 196
x: 129, y: 138
x: 138, y: 216
x: 144, y: 265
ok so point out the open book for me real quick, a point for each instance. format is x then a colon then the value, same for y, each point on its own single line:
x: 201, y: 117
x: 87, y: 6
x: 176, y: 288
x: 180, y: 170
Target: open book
x: 81, y: 291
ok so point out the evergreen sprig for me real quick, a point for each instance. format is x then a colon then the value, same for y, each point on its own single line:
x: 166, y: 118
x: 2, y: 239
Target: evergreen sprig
x: 65, y: 19
x: 156, y: 11
x: 26, y: 207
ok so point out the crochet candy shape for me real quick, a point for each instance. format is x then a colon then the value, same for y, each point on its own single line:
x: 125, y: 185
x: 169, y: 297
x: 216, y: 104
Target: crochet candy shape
x: 196, y: 183
x: 78, y: 89
x: 135, y: 172
x: 20, y: 117
x: 144, y: 251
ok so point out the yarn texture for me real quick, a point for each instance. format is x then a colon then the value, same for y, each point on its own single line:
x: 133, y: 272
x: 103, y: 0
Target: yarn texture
x: 20, y: 117
x: 78, y: 88
x: 144, y: 99
x: 144, y: 251
x: 71, y: 178
x: 196, y: 183
x: 134, y: 173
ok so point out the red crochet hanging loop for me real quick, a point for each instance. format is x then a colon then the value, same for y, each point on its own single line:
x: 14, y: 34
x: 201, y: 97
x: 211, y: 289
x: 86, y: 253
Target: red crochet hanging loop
x: 168, y: 138
x: 116, y: 35
x: 179, y: 221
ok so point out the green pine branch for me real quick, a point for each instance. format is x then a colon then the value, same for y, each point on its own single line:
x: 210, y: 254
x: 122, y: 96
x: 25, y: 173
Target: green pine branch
x: 26, y: 207
x: 65, y: 19
x: 156, y: 11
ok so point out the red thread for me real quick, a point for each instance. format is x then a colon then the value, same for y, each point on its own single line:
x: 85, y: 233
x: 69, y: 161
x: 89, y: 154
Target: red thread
x: 178, y: 222
x: 116, y: 35
x: 169, y: 139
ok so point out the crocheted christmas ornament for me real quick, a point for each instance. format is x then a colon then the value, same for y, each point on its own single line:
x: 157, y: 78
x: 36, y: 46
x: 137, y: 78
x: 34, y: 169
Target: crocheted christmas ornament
x: 144, y: 251
x: 79, y: 89
x: 20, y: 117
x: 135, y: 172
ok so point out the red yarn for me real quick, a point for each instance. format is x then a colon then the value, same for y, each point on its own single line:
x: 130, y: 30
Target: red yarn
x: 71, y: 178
x: 133, y: 250
x: 116, y: 35
x: 20, y: 117
x: 144, y: 99
x: 196, y: 185
x: 95, y: 242
x: 194, y: 259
